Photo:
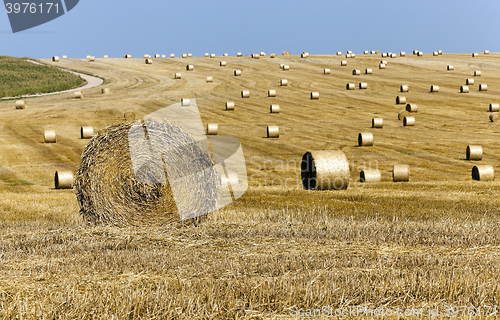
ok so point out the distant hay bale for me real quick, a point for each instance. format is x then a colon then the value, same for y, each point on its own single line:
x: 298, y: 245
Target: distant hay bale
x: 469, y: 82
x: 185, y: 102
x: 477, y: 73
x: 271, y: 93
x: 402, y: 114
x: 157, y: 56
x: 474, y: 153
x: 408, y: 121
x: 190, y: 55
x: 420, y: 53
x: 207, y: 55
x: 286, y: 53
x: 350, y: 86
x: 483, y: 87
x: 440, y: 52
x: 348, y: 55
x: 177, y: 75
x: 402, y: 54
x: 92, y: 59
x: 238, y: 54
x: 273, y: 132
x: 404, y: 88
x: 77, y: 95
x: 377, y: 123
x: 163, y: 56
x: 283, y: 82
x: 486, y: 52
x: 450, y: 68
x: 314, y: 95
x: 262, y: 54
x: 365, y: 52
x: 189, y: 67
x: 237, y: 73
x: 365, y: 139
x: 106, y: 56
x: 326, y: 71
x: 147, y: 56
x: 339, y: 53
x: 105, y: 91
x: 411, y: 107
x: 286, y: 67
x: 494, y: 107
x: 230, y: 105
x: 127, y: 56
x: 149, y: 61
x: 435, y: 53
x: 383, y: 62
x: 434, y: 88
x: 343, y: 63
x: 212, y: 129
x: 20, y: 104
x: 210, y: 79
x: 368, y: 71
x: 370, y: 176
x: 384, y: 55
x: 415, y: 52
x: 363, y: 85
x: 281, y: 65
x: 274, y: 108
x: 393, y: 55
x: 172, y: 55
x: 475, y: 54
x: 49, y: 136
x: 129, y: 115
x: 86, y: 132
x: 63, y: 180
x: 401, y: 173
x: 184, y: 55
x: 349, y: 51
x: 464, y: 89
x: 400, y: 100
x: 494, y: 116
x: 255, y: 56
x: 245, y: 93
x: 325, y: 170
x: 381, y: 66
x: 55, y: 59
x: 356, y: 72
x: 483, y: 173
x: 303, y: 55
x: 223, y: 63
x: 65, y: 57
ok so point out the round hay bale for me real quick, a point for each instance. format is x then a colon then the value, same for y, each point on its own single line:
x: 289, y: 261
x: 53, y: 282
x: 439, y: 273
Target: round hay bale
x: 49, y: 136
x: 111, y: 189
x: 286, y: 67
x: 365, y: 139
x: 368, y: 71
x: 373, y: 52
x: 222, y: 63
x: 365, y: 52
x: 381, y: 66
x: 494, y: 107
x: 450, y: 68
x: 415, y: 52
x: 408, y: 121
x: 343, y: 63
x: 212, y: 129
x: 163, y: 56
x: 474, y: 153
x: 404, y: 88
x: 230, y: 105
x: 420, y: 53
x: 225, y: 55
x: 255, y: 55
x: 483, y: 173
x: 402, y: 114
x: 65, y: 57
x: 55, y: 59
x: 190, y: 55
x: 286, y: 53
x: 86, y: 132
x: 185, y: 102
x: 172, y: 55
x: 339, y: 53
x: 88, y: 57
x: 348, y: 55
x: 20, y: 104
x: 207, y: 55
x: 184, y: 55
x: 434, y: 88
x: 464, y: 89
x: 157, y: 56
x: 349, y: 52
x: 384, y: 55
x: 475, y: 54
x: 92, y: 59
x: 129, y: 115
x: 325, y: 170
x: 274, y: 108
x: 440, y: 52
x: 149, y: 61
x: 486, y: 52
x: 245, y: 93
x: 469, y: 82
x: 273, y: 132
x: 262, y: 53
x: 402, y: 54
x: 105, y: 91
x: 77, y: 95
x: 284, y: 82
x: 494, y: 116
x: 383, y: 62
x: 238, y: 54
x: 477, y: 73
x: 326, y: 71
x: 483, y: 87
x: 314, y: 95
x: 350, y: 86
x: 64, y: 180
x: 237, y: 73
x: 435, y: 53
x: 127, y: 56
x: 271, y: 93
x: 401, y: 173
x: 370, y: 176
x: 147, y: 56
x: 400, y: 100
x: 393, y: 55
x: 356, y: 72
x: 363, y: 85
x: 210, y: 79
x: 189, y: 67
x: 303, y: 55
x: 377, y: 123
x: 177, y: 75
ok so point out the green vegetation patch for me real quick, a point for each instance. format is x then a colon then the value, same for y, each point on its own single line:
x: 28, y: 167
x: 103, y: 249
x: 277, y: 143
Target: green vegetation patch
x: 19, y: 77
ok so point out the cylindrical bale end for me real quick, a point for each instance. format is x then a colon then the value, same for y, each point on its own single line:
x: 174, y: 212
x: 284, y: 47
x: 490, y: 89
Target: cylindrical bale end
x: 273, y: 132
x: 230, y: 105
x: 400, y: 100
x: 377, y: 123
x: 483, y: 87
x: 356, y: 72
x: 365, y: 139
x: 64, y: 180
x: 326, y: 71
x: 189, y: 67
x: 408, y: 121
x: 370, y: 176
x: 401, y: 173
x: 402, y: 54
x: 343, y: 63
x: 284, y: 82
x: 105, y: 91
x: 245, y: 93
x: 210, y: 79
x: 368, y: 71
x: 474, y: 153
x: 86, y: 132
x: 381, y: 66
x: 55, y: 59
x: 325, y: 170
x: 434, y: 88
x: 237, y: 73
x: 450, y: 68
x: 177, y: 75
x: 77, y: 95
x: 314, y: 95
x: 223, y: 63
x: 411, y: 107
x: 483, y: 173
x: 469, y: 82
x: 274, y: 108
x: 494, y: 107
x: 49, y: 136
x: 464, y: 89
x: 271, y: 93
x: 212, y: 129
x: 404, y: 88
x: 402, y: 114
x: 363, y: 85
x: 477, y: 73
x: 350, y: 86
x: 148, y: 61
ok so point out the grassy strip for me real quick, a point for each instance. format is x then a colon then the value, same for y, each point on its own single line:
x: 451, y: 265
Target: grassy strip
x: 19, y: 77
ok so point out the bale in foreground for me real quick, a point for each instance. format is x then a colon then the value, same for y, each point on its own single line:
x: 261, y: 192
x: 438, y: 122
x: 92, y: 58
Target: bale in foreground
x: 111, y: 189
x: 325, y: 170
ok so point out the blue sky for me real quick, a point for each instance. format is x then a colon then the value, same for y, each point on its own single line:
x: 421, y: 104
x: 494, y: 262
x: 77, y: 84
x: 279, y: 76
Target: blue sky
x: 117, y: 27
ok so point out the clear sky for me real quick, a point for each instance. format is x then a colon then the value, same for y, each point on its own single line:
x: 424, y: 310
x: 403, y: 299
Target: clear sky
x: 118, y: 27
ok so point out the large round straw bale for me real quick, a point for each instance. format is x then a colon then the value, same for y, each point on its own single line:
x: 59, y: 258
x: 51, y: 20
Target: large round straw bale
x: 400, y: 100
x: 184, y: 55
x: 365, y: 52
x: 483, y: 173
x: 474, y: 153
x: 245, y: 93
x: 402, y: 54
x: 349, y: 51
x: 127, y: 56
x: 373, y: 52
x: 408, y: 121
x: 185, y: 102
x: 147, y: 56
x: 157, y: 56
x: 64, y: 180
x: 149, y: 61
x: 435, y: 53
x: 325, y: 170
x: 483, y: 87
x: 189, y: 67
x: 377, y: 123
x: 237, y: 73
x: 286, y: 53
x: 404, y: 88
x: 350, y: 86
x: 494, y: 107
x: 434, y: 88
x: 210, y: 79
x: 440, y: 52
x: 393, y: 55
x: 207, y: 54
x: 494, y: 116
x: 365, y: 139
x: 415, y: 52
x: 177, y: 75
x: 274, y: 108
x: 363, y: 85
x: 86, y: 132
x: 369, y: 176
x: 20, y: 104
x: 225, y: 55
x: 339, y: 53
x: 384, y: 55
x: 402, y: 114
x: 326, y: 71
x: 348, y: 55
x: 262, y: 53
x: 368, y: 71
x: 49, y: 136
x: 449, y: 68
x: 77, y: 95
x: 353, y: 55
x: 55, y: 59
x: 464, y: 89
x: 172, y: 55
x: 303, y: 55
x: 420, y: 53
x: 400, y: 173
x: 477, y: 73
x: 383, y: 62
x: 190, y: 55
x: 283, y: 82
x: 129, y: 115
x: 286, y: 67
x: 105, y: 91
x: 112, y: 189
x: 356, y: 72
x: 212, y: 55
x: 411, y: 107
x: 223, y: 63
x: 163, y: 56
x: 65, y: 57
x: 271, y: 93
x: 230, y: 105
x: 343, y: 63
x: 475, y: 54
x: 314, y: 95
x: 273, y: 132
x: 381, y: 66
x: 106, y: 56
x: 238, y: 54
x: 212, y: 128
x: 469, y: 82
x: 486, y: 51
x: 92, y: 59
x: 255, y: 55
